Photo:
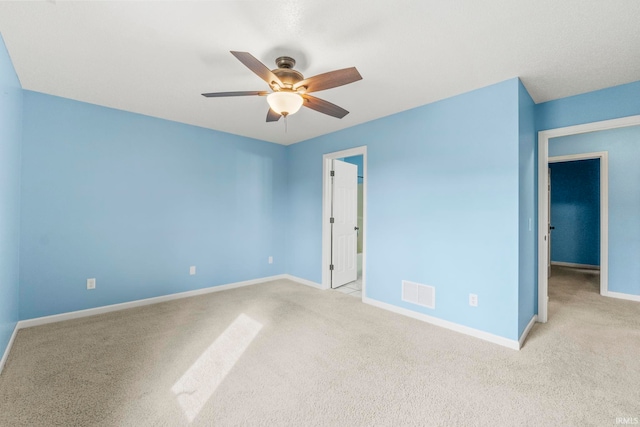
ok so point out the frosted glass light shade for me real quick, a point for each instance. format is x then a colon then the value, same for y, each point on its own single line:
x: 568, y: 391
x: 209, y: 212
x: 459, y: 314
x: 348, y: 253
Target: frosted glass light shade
x: 285, y: 103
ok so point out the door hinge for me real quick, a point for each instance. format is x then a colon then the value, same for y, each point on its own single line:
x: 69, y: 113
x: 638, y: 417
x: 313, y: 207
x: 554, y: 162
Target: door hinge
x: 331, y: 267
x: 333, y: 173
x: 331, y: 220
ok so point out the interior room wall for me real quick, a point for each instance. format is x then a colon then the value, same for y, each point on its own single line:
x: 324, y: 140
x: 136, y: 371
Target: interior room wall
x: 605, y: 104
x: 134, y: 201
x: 623, y: 146
x: 11, y: 99
x: 575, y: 212
x: 440, y: 177
x: 527, y: 211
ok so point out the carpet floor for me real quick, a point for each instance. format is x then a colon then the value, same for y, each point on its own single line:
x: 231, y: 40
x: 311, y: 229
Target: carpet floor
x: 281, y: 353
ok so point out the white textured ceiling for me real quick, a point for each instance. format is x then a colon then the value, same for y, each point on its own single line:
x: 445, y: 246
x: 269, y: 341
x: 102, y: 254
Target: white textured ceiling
x: 156, y: 58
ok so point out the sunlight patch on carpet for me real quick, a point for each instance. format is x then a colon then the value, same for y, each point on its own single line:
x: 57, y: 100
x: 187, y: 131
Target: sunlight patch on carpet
x: 201, y: 380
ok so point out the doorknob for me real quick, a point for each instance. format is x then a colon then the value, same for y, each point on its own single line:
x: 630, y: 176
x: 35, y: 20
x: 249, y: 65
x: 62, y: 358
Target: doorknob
x: 356, y: 228
x: 551, y: 228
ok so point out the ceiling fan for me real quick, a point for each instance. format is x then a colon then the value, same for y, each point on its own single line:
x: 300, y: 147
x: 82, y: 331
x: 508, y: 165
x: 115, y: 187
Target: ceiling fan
x: 290, y: 90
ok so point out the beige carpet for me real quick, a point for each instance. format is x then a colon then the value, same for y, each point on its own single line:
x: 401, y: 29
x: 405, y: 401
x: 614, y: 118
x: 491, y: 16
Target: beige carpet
x: 284, y: 354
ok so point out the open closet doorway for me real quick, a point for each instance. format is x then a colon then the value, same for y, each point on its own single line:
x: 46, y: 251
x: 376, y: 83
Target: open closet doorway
x: 550, y: 221
x: 344, y: 221
x: 575, y: 224
x: 545, y: 138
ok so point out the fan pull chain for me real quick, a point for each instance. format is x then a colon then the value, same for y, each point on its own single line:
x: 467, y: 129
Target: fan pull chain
x: 285, y: 123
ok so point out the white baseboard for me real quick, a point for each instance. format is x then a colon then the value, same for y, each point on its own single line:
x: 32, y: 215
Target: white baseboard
x: 505, y: 342
x: 620, y: 295
x: 138, y: 303
x: 303, y: 281
x: 5, y: 356
x: 526, y: 331
x: 574, y: 265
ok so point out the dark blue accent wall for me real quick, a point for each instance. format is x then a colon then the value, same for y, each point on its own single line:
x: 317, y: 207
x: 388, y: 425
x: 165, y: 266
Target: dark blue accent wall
x: 575, y: 212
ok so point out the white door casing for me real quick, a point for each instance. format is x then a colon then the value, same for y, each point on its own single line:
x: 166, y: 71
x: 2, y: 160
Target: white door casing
x: 326, y: 213
x: 344, y: 240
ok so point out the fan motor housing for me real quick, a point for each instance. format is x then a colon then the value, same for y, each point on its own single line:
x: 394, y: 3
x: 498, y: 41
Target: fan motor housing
x: 285, y: 72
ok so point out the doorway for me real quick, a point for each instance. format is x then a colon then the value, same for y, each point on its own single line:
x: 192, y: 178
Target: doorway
x: 575, y: 212
x: 544, y: 247
x: 344, y: 222
x: 544, y: 139
x: 574, y: 226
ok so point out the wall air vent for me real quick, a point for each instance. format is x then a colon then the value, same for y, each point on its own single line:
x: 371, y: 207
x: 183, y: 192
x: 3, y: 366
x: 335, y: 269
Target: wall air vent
x: 419, y: 294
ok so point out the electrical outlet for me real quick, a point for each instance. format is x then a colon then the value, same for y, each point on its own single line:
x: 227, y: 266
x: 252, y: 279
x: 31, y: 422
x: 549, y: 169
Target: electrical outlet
x: 91, y: 283
x: 192, y: 270
x: 270, y: 260
x: 473, y: 300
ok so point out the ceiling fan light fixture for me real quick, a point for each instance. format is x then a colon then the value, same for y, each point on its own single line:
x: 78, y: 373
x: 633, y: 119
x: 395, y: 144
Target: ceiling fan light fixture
x: 285, y: 103
x: 290, y: 90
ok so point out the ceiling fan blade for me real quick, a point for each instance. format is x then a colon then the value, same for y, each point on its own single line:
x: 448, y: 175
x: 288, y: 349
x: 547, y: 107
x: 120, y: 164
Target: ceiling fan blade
x: 323, y: 106
x: 329, y: 80
x: 272, y: 116
x: 257, y: 67
x: 241, y: 93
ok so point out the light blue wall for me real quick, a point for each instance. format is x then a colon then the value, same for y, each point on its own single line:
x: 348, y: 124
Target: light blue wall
x: 575, y: 212
x: 10, y: 146
x: 623, y: 146
x: 440, y: 179
x: 527, y: 248
x: 605, y: 104
x: 134, y: 201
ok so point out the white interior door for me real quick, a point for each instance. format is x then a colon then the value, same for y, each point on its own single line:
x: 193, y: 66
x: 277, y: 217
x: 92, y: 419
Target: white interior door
x: 344, y: 236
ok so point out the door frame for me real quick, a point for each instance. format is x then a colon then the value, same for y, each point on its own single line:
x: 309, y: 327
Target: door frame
x: 543, y: 219
x: 326, y: 212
